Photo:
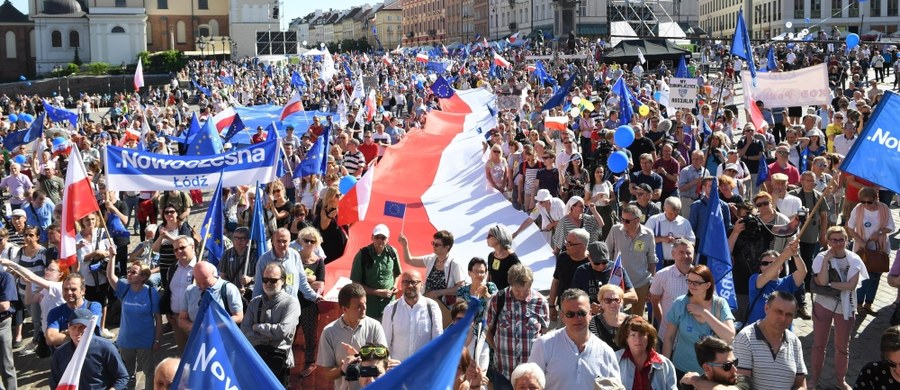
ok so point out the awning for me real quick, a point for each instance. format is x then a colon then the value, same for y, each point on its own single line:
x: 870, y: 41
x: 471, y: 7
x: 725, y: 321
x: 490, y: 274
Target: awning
x: 592, y: 29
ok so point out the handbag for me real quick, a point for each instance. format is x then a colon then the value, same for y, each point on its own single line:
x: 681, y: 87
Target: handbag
x: 876, y: 260
x: 116, y: 227
x: 833, y: 276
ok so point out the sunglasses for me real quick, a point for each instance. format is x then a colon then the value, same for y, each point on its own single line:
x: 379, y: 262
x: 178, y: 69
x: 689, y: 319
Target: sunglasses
x: 310, y: 242
x: 375, y: 351
x: 410, y: 282
x: 437, y: 244
x: 761, y: 204
x: 866, y: 202
x: 837, y: 240
x: 235, y: 238
x: 171, y: 211
x: 765, y: 263
x: 572, y: 314
x: 892, y: 364
x: 783, y: 153
x: 612, y: 300
x: 727, y: 366
x: 270, y: 280
x: 182, y: 248
x: 627, y: 221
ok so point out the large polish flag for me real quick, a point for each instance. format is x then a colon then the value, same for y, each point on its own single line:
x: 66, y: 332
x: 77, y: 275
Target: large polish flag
x: 292, y: 106
x: 72, y: 375
x: 225, y: 119
x: 422, y: 57
x: 78, y: 202
x: 441, y: 173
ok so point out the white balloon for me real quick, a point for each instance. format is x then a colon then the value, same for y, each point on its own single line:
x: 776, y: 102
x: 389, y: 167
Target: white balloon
x: 304, y: 43
x: 574, y: 111
x: 576, y: 100
x: 432, y: 77
x: 789, y: 24
x: 804, y: 32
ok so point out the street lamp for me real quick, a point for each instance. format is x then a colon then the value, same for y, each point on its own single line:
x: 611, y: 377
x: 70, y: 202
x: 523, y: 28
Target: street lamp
x: 201, y: 44
x: 124, y: 69
x: 58, y: 70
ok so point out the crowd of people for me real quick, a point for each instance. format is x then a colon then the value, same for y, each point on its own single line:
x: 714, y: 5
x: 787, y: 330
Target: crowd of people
x: 654, y: 322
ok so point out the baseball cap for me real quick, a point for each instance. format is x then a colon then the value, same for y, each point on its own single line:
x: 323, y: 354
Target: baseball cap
x: 598, y: 252
x: 81, y: 316
x: 381, y: 230
x: 733, y: 167
x: 18, y: 213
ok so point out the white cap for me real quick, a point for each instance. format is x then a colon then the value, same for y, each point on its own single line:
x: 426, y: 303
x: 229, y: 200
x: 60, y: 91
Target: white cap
x: 382, y: 230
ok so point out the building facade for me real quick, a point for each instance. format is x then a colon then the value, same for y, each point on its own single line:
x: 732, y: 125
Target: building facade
x: 769, y: 18
x: 389, y: 24
x: 176, y: 25
x: 111, y: 31
x: 424, y: 22
x: 16, y: 45
x: 246, y: 18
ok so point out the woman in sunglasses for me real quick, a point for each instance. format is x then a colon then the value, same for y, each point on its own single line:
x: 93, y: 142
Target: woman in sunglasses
x: 94, y: 249
x: 694, y: 315
x: 307, y: 244
x: 141, y: 329
x: 607, y: 323
x: 869, y: 224
x: 637, y: 339
x: 885, y: 373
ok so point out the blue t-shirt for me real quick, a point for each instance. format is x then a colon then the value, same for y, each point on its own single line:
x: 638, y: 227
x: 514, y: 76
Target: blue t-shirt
x: 758, y: 311
x: 58, y: 317
x: 8, y: 290
x: 139, y: 311
x: 690, y: 331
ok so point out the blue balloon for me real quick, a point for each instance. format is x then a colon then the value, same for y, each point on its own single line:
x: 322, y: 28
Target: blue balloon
x: 22, y: 78
x: 58, y: 141
x: 21, y: 159
x: 27, y: 118
x: 13, y: 118
x: 624, y: 136
x: 852, y: 41
x: 657, y: 95
x: 807, y: 20
x: 28, y: 83
x: 617, y: 162
x: 346, y: 184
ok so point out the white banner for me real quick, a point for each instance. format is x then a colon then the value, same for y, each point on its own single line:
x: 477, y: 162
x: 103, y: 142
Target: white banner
x: 682, y: 93
x: 134, y: 170
x: 803, y: 87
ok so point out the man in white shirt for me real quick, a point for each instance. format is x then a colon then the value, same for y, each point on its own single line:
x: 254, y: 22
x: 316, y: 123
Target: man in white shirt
x: 669, y: 226
x: 413, y: 321
x: 573, y: 357
x: 843, y: 142
x: 671, y: 282
x: 787, y: 204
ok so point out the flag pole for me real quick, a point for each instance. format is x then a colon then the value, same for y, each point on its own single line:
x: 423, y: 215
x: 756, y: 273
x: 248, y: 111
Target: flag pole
x: 826, y: 192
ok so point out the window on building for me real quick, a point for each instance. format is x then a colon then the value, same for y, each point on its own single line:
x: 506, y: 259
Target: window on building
x: 162, y: 4
x: 798, y: 9
x: 876, y: 8
x: 815, y: 9
x: 180, y: 35
x: 835, y: 8
x: 853, y: 11
x: 149, y: 33
x: 74, y: 39
x: 118, y: 30
x: 10, y: 44
x: 121, y: 3
x: 202, y: 4
x: 893, y: 8
x: 56, y: 39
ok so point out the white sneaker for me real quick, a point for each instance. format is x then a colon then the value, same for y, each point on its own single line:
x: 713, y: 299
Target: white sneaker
x: 106, y: 334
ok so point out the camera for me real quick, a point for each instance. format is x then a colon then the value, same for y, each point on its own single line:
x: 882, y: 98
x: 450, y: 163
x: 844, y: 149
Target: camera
x: 752, y: 226
x: 356, y: 371
x: 802, y: 214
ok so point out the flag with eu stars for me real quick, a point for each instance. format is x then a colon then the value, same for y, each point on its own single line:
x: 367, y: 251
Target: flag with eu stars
x: 212, y: 229
x: 207, y: 142
x: 258, y: 224
x: 740, y: 45
x: 201, y: 88
x: 297, y: 80
x: 441, y: 88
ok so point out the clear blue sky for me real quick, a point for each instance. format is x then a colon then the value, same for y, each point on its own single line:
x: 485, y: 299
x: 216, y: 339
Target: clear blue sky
x: 293, y: 8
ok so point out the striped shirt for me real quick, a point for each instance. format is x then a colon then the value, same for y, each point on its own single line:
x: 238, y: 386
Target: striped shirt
x: 36, y: 263
x: 518, y: 326
x: 354, y: 162
x: 566, y: 225
x: 770, y: 370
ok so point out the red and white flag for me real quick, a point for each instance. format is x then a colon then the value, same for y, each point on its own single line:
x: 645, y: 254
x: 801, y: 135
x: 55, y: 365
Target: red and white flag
x: 513, y: 38
x: 422, y: 57
x: 500, y: 61
x: 72, y: 375
x: 387, y: 59
x: 444, y: 50
x: 139, y: 75
x: 617, y: 277
x: 365, y: 58
x: 294, y: 105
x: 556, y: 123
x: 354, y: 206
x: 78, y: 202
x: 370, y: 105
x: 224, y: 119
x: 756, y: 116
